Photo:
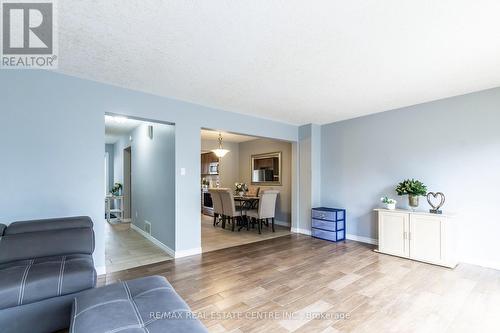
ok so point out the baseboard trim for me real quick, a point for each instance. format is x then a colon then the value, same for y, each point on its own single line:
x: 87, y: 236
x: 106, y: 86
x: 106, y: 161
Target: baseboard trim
x: 100, y: 270
x: 153, y: 240
x: 187, y: 253
x: 282, y: 223
x: 362, y: 239
x: 485, y: 264
x: 301, y: 231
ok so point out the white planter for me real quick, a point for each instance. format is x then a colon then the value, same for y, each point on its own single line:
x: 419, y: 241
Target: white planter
x: 390, y: 206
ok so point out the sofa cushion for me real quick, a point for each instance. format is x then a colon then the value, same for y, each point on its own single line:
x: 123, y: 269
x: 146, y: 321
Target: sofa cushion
x: 144, y: 305
x: 2, y: 228
x: 32, y: 280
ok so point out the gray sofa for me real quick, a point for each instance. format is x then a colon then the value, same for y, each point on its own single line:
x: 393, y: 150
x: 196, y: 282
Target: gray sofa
x: 44, y: 264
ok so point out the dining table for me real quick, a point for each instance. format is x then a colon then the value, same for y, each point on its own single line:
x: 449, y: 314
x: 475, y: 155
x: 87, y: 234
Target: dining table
x: 246, y: 203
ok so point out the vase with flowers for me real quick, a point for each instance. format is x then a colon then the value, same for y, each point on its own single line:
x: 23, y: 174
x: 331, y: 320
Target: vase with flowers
x: 240, y: 188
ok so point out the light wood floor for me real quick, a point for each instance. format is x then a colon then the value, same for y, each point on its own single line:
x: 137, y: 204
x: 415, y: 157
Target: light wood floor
x: 216, y: 238
x: 126, y: 248
x: 353, y: 288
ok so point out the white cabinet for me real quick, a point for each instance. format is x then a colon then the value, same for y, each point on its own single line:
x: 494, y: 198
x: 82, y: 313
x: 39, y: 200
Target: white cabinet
x: 418, y: 236
x: 393, y: 229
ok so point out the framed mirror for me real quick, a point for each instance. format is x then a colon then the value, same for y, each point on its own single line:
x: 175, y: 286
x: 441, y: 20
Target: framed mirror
x: 266, y: 169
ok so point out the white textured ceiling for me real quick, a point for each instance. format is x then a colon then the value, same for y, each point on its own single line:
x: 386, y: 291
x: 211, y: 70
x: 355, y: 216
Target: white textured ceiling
x: 116, y: 127
x: 293, y: 61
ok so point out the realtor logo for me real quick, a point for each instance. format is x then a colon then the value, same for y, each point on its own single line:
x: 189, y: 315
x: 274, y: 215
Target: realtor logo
x: 28, y: 34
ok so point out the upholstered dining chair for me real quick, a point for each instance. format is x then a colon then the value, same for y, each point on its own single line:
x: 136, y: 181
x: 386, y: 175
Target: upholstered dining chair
x: 266, y: 209
x: 253, y: 191
x: 229, y: 207
x: 217, y: 202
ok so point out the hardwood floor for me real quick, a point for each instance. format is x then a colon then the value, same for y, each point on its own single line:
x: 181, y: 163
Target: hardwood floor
x: 218, y: 238
x: 126, y: 248
x: 296, y: 283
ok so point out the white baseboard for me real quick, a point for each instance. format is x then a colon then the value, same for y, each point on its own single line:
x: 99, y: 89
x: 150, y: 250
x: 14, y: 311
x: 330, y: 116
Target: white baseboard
x: 156, y: 242
x: 187, y: 253
x: 168, y: 250
x: 101, y: 270
x: 482, y: 263
x: 362, y: 239
x: 301, y: 231
x: 349, y: 236
x: 282, y: 223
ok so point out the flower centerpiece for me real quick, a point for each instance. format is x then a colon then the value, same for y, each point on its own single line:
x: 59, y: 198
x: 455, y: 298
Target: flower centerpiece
x: 240, y: 188
x: 116, y: 190
x: 389, y: 203
x: 414, y: 189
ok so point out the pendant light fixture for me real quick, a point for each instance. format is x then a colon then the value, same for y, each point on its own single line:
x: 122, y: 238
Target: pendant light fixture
x: 220, y: 152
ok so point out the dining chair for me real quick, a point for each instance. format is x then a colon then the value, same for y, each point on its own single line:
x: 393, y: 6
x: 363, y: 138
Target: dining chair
x: 229, y: 207
x: 266, y: 209
x: 217, y: 202
x: 253, y: 191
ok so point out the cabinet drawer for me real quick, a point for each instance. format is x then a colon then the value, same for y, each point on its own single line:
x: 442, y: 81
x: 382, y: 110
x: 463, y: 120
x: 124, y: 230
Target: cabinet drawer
x: 328, y: 235
x: 317, y: 214
x: 328, y: 225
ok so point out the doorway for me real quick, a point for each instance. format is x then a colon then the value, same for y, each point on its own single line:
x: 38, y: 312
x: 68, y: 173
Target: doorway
x: 235, y: 167
x: 140, y: 168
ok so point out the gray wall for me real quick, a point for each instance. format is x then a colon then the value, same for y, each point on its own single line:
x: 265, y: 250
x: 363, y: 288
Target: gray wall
x: 110, y: 149
x: 52, y: 151
x: 153, y: 179
x: 452, y: 145
x: 52, y: 135
x: 309, y: 166
x: 229, y: 164
x: 261, y: 146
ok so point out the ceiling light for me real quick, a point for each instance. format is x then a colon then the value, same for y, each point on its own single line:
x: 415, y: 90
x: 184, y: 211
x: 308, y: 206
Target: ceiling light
x: 115, y: 119
x: 220, y: 152
x: 120, y: 119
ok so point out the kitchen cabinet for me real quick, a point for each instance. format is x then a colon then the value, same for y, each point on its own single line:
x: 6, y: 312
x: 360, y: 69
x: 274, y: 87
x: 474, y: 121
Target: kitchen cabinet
x: 418, y: 236
x: 206, y: 159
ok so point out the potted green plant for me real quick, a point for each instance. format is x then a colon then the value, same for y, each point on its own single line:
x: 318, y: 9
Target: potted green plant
x: 389, y: 203
x: 116, y: 189
x: 414, y: 189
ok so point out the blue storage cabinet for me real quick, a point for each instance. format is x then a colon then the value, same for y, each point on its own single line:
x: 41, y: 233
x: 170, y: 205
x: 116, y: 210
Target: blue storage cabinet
x: 328, y: 223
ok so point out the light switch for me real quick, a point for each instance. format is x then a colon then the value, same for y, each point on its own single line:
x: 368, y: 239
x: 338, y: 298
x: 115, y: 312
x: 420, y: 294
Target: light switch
x: 183, y: 171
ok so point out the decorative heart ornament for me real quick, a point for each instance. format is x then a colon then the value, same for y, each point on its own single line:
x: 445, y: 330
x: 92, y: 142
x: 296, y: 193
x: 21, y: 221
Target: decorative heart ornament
x: 431, y: 197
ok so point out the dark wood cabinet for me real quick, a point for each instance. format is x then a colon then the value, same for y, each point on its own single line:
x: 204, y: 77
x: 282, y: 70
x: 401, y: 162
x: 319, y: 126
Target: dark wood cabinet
x: 206, y: 159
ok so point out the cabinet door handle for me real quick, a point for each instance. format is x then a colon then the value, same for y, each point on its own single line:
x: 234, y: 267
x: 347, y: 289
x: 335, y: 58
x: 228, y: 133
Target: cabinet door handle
x: 405, y: 235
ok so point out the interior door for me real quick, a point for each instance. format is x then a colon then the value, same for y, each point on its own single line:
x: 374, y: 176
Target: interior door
x: 425, y: 238
x: 393, y: 234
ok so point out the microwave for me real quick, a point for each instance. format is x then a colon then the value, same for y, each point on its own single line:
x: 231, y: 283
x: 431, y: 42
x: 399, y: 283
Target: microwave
x: 213, y: 168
